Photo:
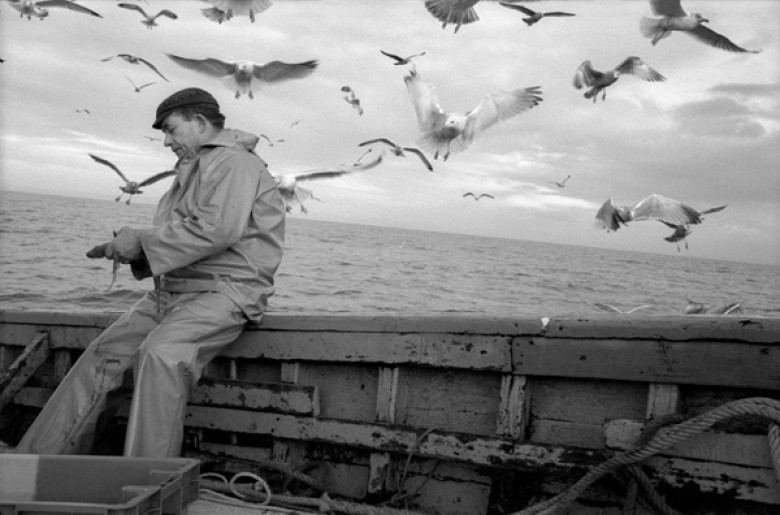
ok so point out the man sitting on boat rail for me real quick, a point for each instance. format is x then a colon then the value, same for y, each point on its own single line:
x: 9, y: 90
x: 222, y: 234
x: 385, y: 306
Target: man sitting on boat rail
x: 213, y: 250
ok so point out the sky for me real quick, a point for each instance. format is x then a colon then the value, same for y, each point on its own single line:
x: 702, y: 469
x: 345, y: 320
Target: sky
x: 707, y: 136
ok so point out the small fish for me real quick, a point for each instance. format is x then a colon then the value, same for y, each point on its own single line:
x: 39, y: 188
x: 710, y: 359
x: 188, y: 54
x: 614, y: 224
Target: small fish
x: 114, y: 271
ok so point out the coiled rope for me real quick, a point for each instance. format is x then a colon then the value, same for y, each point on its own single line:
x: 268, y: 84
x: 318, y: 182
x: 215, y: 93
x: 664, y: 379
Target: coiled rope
x: 760, y: 406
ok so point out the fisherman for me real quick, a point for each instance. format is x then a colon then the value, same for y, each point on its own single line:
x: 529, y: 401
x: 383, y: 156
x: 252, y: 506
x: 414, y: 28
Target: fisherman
x: 213, y: 249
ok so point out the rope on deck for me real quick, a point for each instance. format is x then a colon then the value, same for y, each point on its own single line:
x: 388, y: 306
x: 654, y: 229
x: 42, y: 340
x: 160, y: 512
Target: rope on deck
x: 759, y: 406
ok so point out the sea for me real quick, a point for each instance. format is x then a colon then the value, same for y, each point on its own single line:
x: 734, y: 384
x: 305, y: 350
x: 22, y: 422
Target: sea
x: 332, y: 267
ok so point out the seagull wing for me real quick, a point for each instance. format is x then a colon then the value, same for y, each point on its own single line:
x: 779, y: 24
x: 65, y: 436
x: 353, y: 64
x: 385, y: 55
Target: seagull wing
x: 520, y: 8
x: 67, y: 5
x: 337, y: 171
x: 607, y: 307
x: 147, y: 84
x: 608, y: 216
x: 110, y: 165
x: 467, y: 194
x: 657, y: 207
x: 712, y: 210
x: 209, y: 66
x: 156, y: 177
x: 586, y: 75
x: 422, y: 157
x: 497, y: 107
x: 393, y: 56
x: 671, y: 8
x: 712, y: 38
x: 558, y: 13
x: 166, y: 12
x: 424, y: 100
x: 150, y: 65
x: 486, y: 196
x: 134, y: 7
x: 378, y: 140
x: 638, y: 68
x: 277, y: 71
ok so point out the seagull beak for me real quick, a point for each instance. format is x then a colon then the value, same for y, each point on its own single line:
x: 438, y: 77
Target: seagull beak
x: 705, y: 20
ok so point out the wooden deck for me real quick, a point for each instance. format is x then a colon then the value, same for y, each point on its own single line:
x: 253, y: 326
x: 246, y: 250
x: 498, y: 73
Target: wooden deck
x: 483, y: 415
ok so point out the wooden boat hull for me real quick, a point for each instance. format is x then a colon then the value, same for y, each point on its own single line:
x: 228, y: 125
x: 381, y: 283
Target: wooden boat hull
x: 471, y: 414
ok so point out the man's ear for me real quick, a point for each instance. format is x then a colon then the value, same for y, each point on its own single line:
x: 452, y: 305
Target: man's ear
x: 203, y: 123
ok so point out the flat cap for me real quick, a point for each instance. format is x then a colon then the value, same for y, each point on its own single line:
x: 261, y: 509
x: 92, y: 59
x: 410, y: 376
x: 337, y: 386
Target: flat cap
x: 189, y: 97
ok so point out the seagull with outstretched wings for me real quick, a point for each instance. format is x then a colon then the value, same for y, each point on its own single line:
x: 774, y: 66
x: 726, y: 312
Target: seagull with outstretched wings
x: 653, y: 207
x: 598, y: 81
x: 134, y: 59
x: 562, y: 183
x: 674, y: 18
x: 401, y: 60
x: 682, y: 231
x: 131, y: 187
x: 242, y: 76
x: 477, y: 197
x: 533, y: 16
x: 39, y: 9
x: 224, y: 10
x: 400, y: 151
x: 149, y: 20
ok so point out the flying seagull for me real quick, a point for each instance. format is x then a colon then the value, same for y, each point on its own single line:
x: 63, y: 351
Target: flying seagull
x: 270, y: 142
x: 533, y: 16
x: 730, y: 309
x: 599, y: 81
x: 562, y: 183
x: 39, y: 9
x: 352, y: 100
x: 401, y: 60
x: 224, y: 10
x: 137, y: 88
x: 133, y: 59
x: 682, y: 231
x: 82, y: 111
x: 674, y: 17
x: 148, y: 20
x: 132, y: 187
x: 477, y: 197
x: 459, y: 12
x: 653, y: 207
x: 241, y: 76
x: 296, y: 122
x: 443, y: 132
x: 293, y: 193
x: 399, y: 150
x: 609, y: 307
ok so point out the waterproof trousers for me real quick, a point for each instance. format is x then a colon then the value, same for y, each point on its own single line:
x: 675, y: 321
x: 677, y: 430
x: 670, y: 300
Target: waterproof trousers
x: 168, y: 351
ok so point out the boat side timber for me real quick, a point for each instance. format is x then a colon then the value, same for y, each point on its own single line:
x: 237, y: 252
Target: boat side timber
x: 482, y: 412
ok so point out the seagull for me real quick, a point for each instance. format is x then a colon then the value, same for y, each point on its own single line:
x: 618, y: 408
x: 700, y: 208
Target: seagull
x: 352, y: 100
x: 148, y: 20
x: 653, y: 207
x: 730, y: 309
x: 399, y: 150
x: 132, y: 187
x: 152, y: 138
x: 133, y: 59
x: 292, y: 192
x: 38, y: 9
x: 562, y: 183
x: 599, y: 81
x: 459, y: 12
x: 533, y: 16
x: 443, y: 132
x: 477, y: 197
x: 138, y: 88
x: 682, y: 231
x: 240, y: 76
x: 608, y: 307
x: 674, y: 17
x: 695, y: 308
x: 224, y: 10
x: 296, y: 122
x: 82, y: 111
x: 270, y: 143
x: 401, y: 60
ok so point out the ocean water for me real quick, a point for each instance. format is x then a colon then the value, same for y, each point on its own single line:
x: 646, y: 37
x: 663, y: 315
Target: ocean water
x: 333, y: 267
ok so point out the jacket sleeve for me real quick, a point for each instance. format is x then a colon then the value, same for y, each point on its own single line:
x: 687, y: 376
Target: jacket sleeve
x: 228, y: 186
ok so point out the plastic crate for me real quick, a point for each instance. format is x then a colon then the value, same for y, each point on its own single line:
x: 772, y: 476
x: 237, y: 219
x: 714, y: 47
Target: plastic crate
x: 44, y: 484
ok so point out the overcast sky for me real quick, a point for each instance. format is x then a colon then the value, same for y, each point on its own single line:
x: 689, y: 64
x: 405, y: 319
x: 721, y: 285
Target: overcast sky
x: 707, y: 136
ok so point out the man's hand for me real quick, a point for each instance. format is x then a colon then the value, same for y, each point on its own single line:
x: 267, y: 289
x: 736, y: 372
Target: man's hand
x: 126, y: 245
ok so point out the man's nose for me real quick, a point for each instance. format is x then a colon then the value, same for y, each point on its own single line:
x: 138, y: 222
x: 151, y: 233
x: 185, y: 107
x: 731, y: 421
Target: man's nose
x: 167, y: 140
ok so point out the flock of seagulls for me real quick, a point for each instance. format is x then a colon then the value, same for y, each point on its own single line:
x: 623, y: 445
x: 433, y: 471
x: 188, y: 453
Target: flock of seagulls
x: 441, y: 132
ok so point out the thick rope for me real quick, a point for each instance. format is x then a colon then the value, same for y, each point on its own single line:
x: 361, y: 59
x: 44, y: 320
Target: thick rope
x: 760, y: 406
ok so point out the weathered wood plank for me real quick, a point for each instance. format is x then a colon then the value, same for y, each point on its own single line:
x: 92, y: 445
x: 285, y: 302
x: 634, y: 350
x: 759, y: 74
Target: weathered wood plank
x: 670, y: 328
x: 479, y: 450
x: 662, y: 399
x: 515, y: 406
x: 35, y: 353
x: 275, y: 397
x: 728, y: 364
x: 431, y: 349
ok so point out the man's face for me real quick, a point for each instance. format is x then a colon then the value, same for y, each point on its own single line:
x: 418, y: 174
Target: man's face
x: 182, y: 135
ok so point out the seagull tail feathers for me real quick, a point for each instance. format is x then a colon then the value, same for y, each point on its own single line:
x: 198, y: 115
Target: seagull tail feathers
x: 651, y: 29
x: 442, y: 10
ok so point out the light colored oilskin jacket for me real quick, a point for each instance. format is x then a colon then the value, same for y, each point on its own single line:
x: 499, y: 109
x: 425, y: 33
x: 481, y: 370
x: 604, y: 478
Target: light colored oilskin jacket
x: 224, y: 217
